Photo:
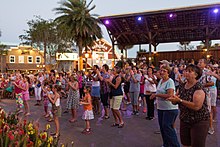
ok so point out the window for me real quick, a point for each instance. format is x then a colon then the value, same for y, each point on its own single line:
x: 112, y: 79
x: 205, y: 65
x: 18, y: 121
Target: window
x: 12, y: 59
x: 20, y: 59
x: 38, y: 59
x: 30, y: 59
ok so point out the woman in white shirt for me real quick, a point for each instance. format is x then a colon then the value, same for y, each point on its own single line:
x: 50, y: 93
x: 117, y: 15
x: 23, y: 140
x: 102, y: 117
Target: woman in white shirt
x: 167, y: 112
x: 149, y: 89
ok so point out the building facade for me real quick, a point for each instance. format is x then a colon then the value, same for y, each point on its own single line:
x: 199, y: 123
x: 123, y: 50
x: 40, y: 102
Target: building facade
x: 23, y: 58
x: 100, y: 53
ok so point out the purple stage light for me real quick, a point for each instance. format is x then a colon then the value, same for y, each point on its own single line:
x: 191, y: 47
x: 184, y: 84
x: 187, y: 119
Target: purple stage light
x: 107, y: 22
x: 215, y: 10
x: 139, y: 18
x: 171, y: 15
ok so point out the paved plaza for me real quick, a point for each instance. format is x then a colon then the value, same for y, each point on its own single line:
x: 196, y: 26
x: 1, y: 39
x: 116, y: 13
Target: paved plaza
x: 137, y: 132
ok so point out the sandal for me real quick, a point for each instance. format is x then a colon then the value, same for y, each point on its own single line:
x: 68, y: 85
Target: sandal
x: 85, y: 130
x: 27, y: 114
x: 52, y: 134
x: 56, y: 135
x: 50, y: 120
x: 114, y: 125
x: 72, y: 120
x: 107, y: 117
x: 121, y: 125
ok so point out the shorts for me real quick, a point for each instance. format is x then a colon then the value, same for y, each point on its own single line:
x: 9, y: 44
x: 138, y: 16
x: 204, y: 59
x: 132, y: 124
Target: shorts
x: 142, y: 95
x: 115, y: 102
x: 56, y: 110
x: 95, y: 92
x: 88, y: 115
x: 213, y: 95
x: 134, y: 97
x: 104, y: 99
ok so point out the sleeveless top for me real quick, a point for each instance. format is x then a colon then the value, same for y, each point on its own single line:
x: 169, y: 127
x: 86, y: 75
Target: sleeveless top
x: 118, y: 91
x: 17, y: 90
x: 188, y: 115
x: 87, y: 106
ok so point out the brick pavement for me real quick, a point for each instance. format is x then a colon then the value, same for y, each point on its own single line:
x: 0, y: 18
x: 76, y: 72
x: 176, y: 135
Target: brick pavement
x: 137, y: 132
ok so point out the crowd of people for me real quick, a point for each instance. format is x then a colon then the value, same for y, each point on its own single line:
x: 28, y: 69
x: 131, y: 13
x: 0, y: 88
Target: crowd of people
x: 175, y: 88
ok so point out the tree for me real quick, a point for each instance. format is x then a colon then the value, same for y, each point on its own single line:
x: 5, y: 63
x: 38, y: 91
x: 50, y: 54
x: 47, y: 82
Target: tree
x: 41, y: 33
x: 75, y: 15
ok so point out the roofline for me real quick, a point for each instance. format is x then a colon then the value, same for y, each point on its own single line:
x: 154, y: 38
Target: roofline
x: 161, y: 11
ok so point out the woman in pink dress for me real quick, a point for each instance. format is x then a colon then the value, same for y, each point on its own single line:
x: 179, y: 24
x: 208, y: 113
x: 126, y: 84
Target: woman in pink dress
x: 25, y: 95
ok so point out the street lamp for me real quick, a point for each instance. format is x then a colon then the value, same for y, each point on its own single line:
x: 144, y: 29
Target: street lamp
x: 87, y: 55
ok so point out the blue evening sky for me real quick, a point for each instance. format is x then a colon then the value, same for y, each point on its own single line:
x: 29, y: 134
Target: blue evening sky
x: 15, y: 14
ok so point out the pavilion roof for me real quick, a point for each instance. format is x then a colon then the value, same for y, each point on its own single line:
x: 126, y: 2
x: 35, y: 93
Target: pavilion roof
x: 196, y: 23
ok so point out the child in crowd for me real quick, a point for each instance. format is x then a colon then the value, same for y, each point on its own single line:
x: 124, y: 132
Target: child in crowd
x: 49, y: 108
x: 25, y: 95
x: 88, y: 113
x: 56, y: 108
x: 46, y: 101
x: 37, y: 91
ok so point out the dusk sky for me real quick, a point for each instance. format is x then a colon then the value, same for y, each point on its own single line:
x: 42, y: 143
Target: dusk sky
x: 15, y: 14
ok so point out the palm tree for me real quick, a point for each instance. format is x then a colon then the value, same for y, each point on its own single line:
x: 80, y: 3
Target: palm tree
x: 75, y: 14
